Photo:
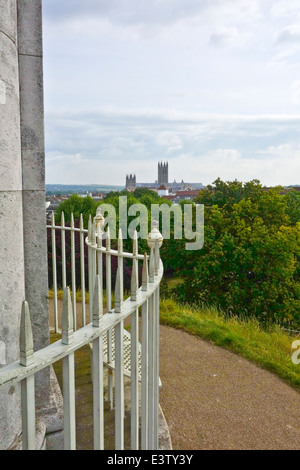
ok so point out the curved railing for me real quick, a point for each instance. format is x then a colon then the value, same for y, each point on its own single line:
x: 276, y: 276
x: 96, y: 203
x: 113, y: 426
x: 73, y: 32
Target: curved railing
x: 142, y: 304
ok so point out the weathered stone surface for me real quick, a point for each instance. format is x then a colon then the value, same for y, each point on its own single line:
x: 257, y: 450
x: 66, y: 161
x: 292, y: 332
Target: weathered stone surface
x: 8, y: 19
x: 10, y: 417
x: 30, y: 28
x: 32, y: 104
x: 10, y: 161
x: 34, y: 171
x: 36, y: 281
x: 11, y: 295
x: 12, y: 286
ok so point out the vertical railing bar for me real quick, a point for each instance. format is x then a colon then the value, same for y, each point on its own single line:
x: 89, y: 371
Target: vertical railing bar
x: 69, y: 402
x: 134, y: 332
x: 119, y: 386
x: 98, y: 396
x: 156, y: 348
x: 145, y: 275
x: 73, y: 272
x: 151, y: 266
x: 93, y: 259
x: 100, y: 257
x: 121, y: 263
x: 144, y: 378
x: 90, y: 267
x: 134, y: 274
x: 28, y: 413
x: 109, y: 306
x: 108, y: 271
x: 54, y: 272
x: 82, y: 270
x: 27, y: 385
x: 63, y: 251
x: 156, y: 369
x: 119, y: 369
x: 68, y: 374
x: 151, y: 347
x: 98, y: 378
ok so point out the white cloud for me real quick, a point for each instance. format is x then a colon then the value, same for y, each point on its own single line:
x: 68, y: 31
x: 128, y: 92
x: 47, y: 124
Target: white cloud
x: 280, y: 166
x: 285, y: 8
x: 289, y: 34
x: 170, y: 141
x: 224, y: 37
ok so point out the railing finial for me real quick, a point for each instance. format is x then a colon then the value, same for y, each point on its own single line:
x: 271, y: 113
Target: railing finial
x: 99, y: 220
x: 26, y: 338
x: 67, y: 318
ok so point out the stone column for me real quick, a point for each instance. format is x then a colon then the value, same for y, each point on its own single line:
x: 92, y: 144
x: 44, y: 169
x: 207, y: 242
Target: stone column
x: 11, y: 220
x: 33, y: 171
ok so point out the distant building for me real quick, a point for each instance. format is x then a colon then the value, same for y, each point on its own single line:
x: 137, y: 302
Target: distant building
x: 163, y: 191
x: 130, y: 183
x: 163, y: 174
x: 162, y: 180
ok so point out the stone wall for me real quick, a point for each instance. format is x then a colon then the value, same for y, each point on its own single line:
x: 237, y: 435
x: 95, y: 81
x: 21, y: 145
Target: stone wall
x: 12, y: 287
x: 23, y: 242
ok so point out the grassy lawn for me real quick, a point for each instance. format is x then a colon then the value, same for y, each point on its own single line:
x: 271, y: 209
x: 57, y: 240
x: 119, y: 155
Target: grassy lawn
x: 269, y: 348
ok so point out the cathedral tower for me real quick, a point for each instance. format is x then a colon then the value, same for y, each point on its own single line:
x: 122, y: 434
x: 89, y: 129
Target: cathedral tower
x: 163, y: 174
x: 130, y: 183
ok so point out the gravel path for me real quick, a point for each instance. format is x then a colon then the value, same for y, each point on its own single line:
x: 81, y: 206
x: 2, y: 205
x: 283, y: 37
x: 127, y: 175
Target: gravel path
x: 214, y: 399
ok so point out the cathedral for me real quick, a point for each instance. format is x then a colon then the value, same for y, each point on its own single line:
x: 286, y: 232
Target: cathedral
x: 161, y: 182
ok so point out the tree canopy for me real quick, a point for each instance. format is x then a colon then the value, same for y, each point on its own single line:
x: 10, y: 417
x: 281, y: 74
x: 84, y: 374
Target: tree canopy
x: 249, y: 264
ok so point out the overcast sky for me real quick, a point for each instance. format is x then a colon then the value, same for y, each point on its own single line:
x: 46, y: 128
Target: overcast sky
x: 211, y: 86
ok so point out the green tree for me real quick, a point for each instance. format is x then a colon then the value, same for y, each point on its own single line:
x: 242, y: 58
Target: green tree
x: 249, y: 264
x: 76, y: 205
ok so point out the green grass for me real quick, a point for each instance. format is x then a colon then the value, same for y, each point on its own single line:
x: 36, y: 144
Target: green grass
x: 269, y: 348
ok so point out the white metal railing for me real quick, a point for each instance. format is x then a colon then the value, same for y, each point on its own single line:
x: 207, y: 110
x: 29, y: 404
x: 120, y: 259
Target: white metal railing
x: 144, y: 358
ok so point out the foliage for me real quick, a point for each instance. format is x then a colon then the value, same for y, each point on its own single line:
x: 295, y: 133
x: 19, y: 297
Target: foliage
x: 249, y: 265
x: 76, y: 205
